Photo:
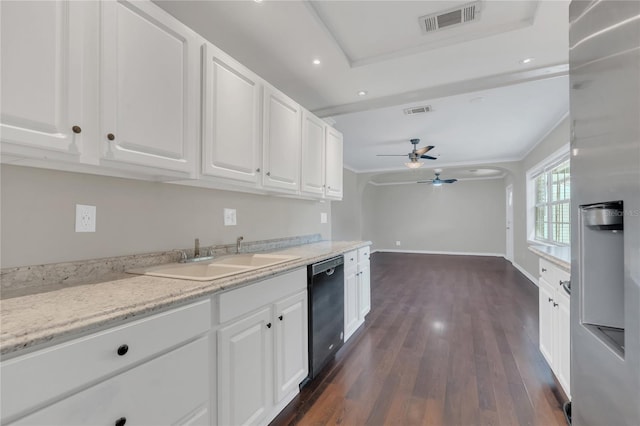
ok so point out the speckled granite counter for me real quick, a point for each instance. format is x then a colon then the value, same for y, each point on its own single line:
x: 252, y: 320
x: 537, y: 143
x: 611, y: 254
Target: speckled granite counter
x: 37, y: 318
x: 560, y: 256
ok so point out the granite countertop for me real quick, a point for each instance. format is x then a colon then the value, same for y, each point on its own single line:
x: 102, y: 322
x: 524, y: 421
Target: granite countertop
x: 560, y: 256
x: 40, y: 317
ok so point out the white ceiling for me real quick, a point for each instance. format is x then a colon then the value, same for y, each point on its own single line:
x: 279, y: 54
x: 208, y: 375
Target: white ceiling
x: 378, y: 46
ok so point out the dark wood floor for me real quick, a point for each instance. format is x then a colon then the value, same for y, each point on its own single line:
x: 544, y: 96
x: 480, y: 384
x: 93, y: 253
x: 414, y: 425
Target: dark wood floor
x: 450, y: 340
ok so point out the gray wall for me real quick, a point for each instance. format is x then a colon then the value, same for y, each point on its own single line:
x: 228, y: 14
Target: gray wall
x: 347, y: 214
x: 466, y: 217
x: 555, y: 140
x: 38, y: 216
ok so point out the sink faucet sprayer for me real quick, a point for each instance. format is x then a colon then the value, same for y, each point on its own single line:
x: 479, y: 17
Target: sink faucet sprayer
x: 238, y: 243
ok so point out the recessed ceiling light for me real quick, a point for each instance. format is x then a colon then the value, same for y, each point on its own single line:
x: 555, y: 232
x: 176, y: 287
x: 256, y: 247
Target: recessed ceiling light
x: 362, y: 93
x: 258, y: 1
x: 526, y: 60
x: 316, y: 62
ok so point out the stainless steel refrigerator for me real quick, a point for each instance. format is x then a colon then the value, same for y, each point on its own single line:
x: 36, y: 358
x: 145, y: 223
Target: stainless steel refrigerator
x: 604, y: 63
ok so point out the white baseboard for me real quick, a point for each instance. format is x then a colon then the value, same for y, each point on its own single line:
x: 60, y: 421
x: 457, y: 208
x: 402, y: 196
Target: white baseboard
x: 455, y: 253
x: 525, y: 273
x: 458, y: 253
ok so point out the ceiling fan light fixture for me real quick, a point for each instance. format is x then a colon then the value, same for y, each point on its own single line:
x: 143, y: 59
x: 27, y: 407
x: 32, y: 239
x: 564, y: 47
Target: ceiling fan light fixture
x: 414, y: 164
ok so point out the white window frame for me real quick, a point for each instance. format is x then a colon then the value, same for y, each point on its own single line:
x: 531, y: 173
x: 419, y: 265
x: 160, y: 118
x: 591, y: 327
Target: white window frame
x: 555, y: 159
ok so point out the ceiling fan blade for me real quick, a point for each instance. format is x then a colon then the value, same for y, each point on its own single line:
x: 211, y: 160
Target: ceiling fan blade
x: 424, y: 150
x: 449, y: 180
x: 424, y: 181
x: 391, y: 155
x: 428, y: 157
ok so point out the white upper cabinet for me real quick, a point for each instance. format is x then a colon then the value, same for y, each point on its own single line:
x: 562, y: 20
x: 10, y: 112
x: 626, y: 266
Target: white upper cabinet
x: 281, y: 141
x: 150, y: 87
x: 41, y: 97
x: 231, y: 118
x: 333, y: 166
x: 313, y: 156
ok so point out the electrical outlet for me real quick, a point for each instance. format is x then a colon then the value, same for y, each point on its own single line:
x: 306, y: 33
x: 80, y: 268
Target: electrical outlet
x: 398, y: 243
x: 323, y: 217
x: 230, y: 217
x: 85, y: 218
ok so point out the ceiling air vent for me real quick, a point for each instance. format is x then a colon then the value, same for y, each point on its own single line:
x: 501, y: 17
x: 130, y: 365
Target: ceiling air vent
x: 450, y: 17
x: 417, y: 110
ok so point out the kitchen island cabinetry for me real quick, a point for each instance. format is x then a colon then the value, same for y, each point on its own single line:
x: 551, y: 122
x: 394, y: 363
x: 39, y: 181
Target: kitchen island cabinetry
x: 262, y: 347
x: 151, y: 371
x: 554, y: 309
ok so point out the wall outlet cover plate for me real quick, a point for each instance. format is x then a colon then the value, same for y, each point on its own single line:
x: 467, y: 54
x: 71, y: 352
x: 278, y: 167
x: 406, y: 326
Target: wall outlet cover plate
x: 230, y: 217
x: 85, y: 218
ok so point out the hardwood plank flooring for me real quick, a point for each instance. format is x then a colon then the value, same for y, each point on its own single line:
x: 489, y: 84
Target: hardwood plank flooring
x: 450, y: 340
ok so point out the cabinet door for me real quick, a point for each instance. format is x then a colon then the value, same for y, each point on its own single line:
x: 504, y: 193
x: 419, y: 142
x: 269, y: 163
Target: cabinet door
x: 41, y: 72
x: 150, y: 87
x: 351, y: 320
x: 291, y: 354
x: 245, y: 363
x: 546, y: 316
x: 333, y: 174
x: 563, y: 331
x: 231, y: 128
x: 313, y: 160
x: 281, y: 142
x: 364, y: 289
x: 170, y: 389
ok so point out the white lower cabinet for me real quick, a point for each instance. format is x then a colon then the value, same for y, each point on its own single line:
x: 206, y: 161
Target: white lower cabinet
x: 291, y: 353
x: 245, y: 357
x: 262, y: 348
x: 171, y: 389
x: 357, y: 289
x: 554, y: 307
x: 151, y: 371
x: 351, y: 309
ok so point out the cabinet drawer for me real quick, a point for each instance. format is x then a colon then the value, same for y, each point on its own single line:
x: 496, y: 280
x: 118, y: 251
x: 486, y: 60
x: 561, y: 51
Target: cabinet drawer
x: 41, y: 377
x: 241, y: 301
x: 546, y: 270
x: 170, y: 389
x: 350, y: 260
x: 553, y: 274
x: 363, y: 254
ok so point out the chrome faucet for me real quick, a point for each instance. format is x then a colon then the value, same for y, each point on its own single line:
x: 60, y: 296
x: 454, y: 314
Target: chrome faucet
x: 238, y: 243
x: 196, y: 254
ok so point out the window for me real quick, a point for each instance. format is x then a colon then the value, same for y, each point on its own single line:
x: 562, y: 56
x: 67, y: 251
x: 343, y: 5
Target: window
x: 549, y: 201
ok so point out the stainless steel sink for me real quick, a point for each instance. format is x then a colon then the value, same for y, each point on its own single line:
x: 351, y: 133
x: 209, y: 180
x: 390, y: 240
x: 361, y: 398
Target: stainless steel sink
x: 218, y: 268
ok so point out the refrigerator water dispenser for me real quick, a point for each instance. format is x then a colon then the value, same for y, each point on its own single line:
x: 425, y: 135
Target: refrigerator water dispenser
x: 601, y: 247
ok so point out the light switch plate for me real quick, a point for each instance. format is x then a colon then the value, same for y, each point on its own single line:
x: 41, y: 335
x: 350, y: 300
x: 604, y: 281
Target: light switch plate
x: 85, y: 218
x: 230, y: 217
x: 323, y: 217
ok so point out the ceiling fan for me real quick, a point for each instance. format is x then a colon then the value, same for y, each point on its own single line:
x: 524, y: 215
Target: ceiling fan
x: 415, y: 155
x: 437, y: 181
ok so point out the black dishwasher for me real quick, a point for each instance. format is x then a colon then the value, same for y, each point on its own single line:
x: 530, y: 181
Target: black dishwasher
x: 326, y: 312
